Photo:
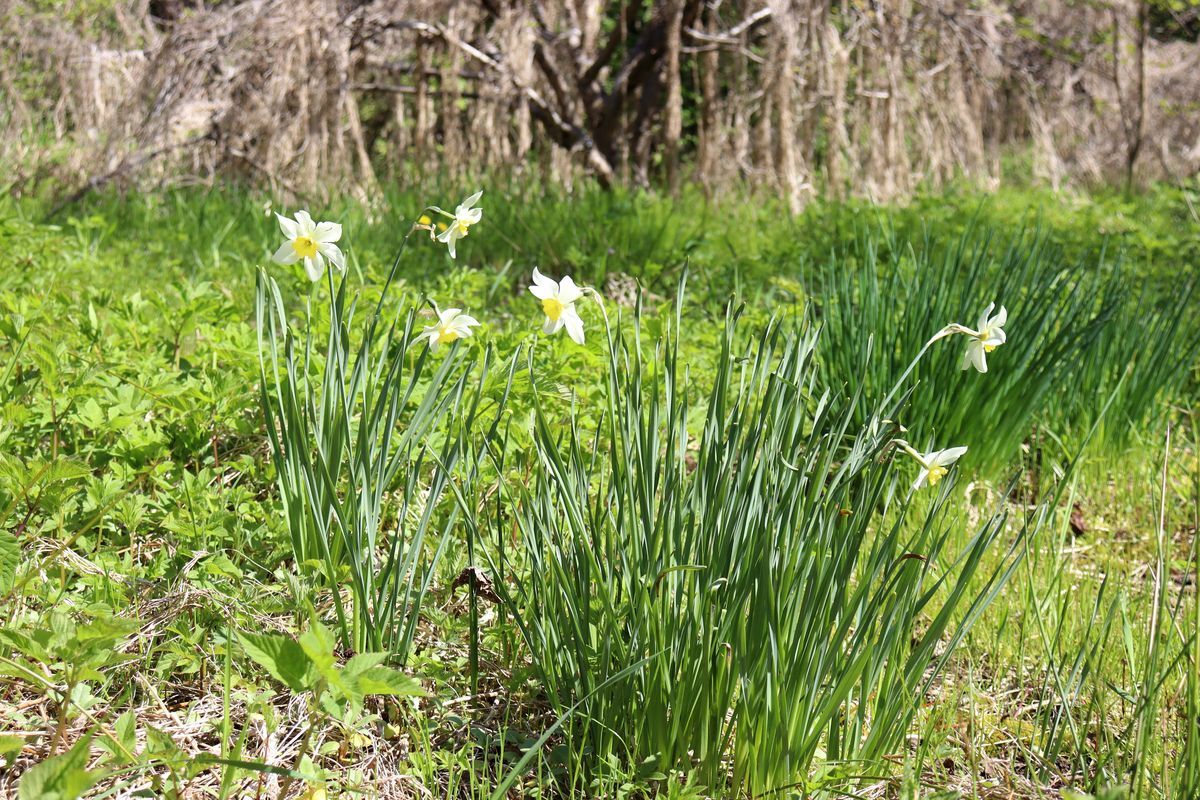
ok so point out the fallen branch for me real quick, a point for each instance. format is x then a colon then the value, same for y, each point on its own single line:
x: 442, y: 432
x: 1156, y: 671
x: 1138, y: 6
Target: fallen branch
x: 732, y: 36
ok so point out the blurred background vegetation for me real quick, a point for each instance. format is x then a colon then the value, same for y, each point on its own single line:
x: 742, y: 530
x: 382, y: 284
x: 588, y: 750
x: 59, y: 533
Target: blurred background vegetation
x: 795, y: 98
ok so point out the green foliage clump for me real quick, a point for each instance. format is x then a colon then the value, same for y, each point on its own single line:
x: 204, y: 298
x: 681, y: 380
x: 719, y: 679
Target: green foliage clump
x: 682, y: 560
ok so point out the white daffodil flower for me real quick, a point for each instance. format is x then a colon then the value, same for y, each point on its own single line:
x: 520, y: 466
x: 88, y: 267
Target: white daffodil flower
x: 311, y: 241
x: 989, y: 335
x: 984, y: 338
x: 558, y: 303
x: 464, y: 217
x: 934, y: 464
x: 451, y: 326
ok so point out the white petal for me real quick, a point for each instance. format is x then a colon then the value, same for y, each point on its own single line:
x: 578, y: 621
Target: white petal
x: 568, y: 292
x: 328, y: 232
x: 542, y: 291
x: 472, y: 200
x: 448, y: 314
x: 286, y: 254
x: 967, y: 358
x: 552, y: 325
x: 573, y: 324
x: 331, y: 251
x: 287, y: 226
x: 470, y: 215
x: 978, y: 355
x: 948, y: 456
x: 983, y: 318
x: 1000, y: 319
x: 449, y: 237
x: 305, y: 223
x: 541, y: 280
x: 920, y: 481
x: 466, y: 322
x: 315, y: 267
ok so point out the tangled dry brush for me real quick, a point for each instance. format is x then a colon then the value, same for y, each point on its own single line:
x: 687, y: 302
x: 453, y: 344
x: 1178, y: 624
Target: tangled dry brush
x: 798, y: 96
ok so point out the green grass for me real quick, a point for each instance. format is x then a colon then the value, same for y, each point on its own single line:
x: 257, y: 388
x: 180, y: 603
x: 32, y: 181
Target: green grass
x: 684, y: 560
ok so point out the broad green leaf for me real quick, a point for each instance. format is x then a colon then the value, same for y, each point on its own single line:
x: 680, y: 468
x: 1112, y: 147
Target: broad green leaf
x: 62, y: 632
x: 126, y: 728
x: 282, y: 657
x: 25, y: 645
x: 86, y: 672
x: 106, y: 631
x: 160, y: 743
x: 385, y: 680
x: 317, y: 643
x: 10, y: 558
x: 63, y: 777
x: 125, y: 733
x: 10, y: 744
x: 220, y: 564
x: 362, y: 662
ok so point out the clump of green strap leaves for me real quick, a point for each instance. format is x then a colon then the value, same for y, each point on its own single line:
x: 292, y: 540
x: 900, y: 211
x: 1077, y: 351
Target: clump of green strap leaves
x: 792, y: 598
x: 365, y: 435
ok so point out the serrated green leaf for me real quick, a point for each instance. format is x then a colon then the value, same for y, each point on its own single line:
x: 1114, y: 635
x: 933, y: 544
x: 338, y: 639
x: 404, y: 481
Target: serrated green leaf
x: 10, y: 558
x: 282, y: 657
x: 62, y: 631
x: 126, y: 729
x: 388, y: 681
x: 317, y: 643
x: 10, y: 744
x: 125, y: 733
x: 25, y: 645
x: 106, y: 631
x: 63, y: 777
x: 364, y: 661
x: 160, y: 743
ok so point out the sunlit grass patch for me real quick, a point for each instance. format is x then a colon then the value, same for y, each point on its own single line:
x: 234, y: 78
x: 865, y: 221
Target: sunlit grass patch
x: 698, y: 558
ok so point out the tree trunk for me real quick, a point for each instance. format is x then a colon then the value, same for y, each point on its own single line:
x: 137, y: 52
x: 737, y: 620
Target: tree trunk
x: 673, y: 123
x: 709, y: 130
x: 1139, y: 112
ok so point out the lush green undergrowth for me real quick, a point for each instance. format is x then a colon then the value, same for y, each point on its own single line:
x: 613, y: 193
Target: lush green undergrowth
x: 683, y: 557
